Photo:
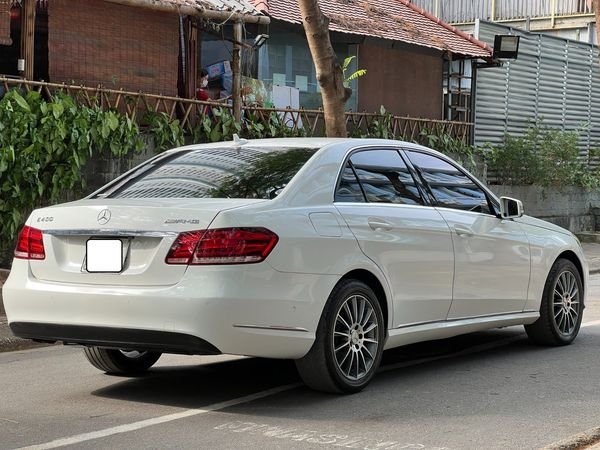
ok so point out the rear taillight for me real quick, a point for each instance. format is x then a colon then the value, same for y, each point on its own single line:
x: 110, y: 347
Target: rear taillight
x: 222, y: 246
x: 30, y: 244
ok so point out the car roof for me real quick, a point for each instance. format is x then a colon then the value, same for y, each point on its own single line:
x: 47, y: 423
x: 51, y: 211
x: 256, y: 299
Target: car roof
x: 293, y: 142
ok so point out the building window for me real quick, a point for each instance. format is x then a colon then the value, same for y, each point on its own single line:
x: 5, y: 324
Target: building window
x: 286, y: 61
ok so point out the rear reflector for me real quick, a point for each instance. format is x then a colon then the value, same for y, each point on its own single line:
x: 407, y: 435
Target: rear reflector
x: 30, y: 244
x: 222, y: 246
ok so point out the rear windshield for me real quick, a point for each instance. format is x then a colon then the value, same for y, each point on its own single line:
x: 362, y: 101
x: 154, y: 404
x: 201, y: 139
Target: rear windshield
x: 213, y: 173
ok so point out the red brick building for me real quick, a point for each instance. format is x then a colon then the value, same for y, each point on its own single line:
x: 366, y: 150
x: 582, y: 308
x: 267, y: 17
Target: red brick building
x: 156, y: 46
x: 131, y: 44
x: 406, y: 51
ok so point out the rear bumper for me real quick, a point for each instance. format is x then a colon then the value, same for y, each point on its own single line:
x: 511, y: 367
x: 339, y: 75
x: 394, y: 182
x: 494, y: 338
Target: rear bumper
x: 160, y: 341
x: 248, y: 310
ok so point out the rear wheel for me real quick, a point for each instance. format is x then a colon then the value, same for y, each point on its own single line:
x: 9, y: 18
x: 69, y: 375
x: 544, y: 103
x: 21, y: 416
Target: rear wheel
x: 349, y: 341
x: 120, y: 362
x: 561, y: 310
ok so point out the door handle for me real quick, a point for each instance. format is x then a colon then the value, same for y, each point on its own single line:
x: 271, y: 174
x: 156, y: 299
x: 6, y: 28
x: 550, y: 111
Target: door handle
x: 379, y: 224
x: 463, y: 230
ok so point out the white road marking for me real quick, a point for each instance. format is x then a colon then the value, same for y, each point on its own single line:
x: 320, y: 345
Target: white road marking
x: 158, y: 420
x: 590, y: 324
x: 72, y: 440
x: 9, y: 420
x: 317, y: 437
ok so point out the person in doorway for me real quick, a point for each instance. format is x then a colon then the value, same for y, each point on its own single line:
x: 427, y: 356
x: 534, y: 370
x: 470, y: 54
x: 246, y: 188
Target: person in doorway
x: 201, y: 93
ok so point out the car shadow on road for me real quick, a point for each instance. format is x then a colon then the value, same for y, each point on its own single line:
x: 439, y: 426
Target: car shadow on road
x: 201, y: 385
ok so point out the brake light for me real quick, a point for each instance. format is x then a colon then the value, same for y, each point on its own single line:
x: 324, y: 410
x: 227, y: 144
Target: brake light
x: 222, y: 246
x: 182, y: 250
x: 30, y: 244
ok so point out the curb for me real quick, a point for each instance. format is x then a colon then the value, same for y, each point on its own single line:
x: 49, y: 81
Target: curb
x: 14, y: 344
x: 9, y: 343
x: 577, y: 441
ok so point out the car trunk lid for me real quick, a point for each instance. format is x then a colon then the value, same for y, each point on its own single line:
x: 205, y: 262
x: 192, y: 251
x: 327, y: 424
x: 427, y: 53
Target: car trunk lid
x: 142, y: 230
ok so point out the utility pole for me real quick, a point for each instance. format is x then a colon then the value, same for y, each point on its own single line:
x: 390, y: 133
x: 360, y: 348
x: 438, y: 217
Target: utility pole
x: 237, y: 71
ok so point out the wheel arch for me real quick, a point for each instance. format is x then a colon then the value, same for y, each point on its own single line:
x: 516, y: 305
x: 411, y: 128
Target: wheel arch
x: 571, y: 256
x: 376, y: 285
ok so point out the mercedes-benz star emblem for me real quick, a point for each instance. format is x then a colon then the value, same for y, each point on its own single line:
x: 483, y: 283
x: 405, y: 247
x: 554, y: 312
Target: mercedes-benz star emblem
x: 104, y: 217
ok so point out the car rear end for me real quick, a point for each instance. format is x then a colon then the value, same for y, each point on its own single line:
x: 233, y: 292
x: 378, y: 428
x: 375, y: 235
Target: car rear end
x: 171, y: 274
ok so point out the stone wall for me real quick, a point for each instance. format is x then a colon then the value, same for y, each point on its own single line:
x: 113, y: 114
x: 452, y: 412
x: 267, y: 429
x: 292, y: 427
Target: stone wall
x: 569, y: 207
x: 101, y: 169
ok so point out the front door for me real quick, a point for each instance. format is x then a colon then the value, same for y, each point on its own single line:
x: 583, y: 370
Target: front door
x: 492, y: 256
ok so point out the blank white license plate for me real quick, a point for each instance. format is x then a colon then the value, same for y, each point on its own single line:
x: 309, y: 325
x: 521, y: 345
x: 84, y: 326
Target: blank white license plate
x: 104, y: 255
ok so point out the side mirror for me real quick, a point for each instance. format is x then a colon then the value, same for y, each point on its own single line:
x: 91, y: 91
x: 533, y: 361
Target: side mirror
x: 510, y: 208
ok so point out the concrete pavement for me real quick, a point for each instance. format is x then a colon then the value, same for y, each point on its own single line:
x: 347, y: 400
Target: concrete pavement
x: 8, y: 342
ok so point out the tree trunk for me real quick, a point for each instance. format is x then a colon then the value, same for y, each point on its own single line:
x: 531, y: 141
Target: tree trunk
x: 329, y: 71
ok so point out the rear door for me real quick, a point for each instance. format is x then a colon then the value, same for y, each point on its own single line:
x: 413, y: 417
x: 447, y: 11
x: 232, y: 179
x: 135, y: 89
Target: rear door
x: 379, y: 200
x: 492, y: 258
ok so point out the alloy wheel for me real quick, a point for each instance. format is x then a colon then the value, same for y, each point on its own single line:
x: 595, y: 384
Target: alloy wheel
x: 355, y: 337
x: 566, y: 303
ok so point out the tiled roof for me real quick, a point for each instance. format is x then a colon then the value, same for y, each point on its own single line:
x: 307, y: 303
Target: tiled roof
x: 396, y: 20
x: 240, y: 6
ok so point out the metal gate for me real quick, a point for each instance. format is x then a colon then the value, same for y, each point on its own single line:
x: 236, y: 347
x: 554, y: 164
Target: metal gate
x: 554, y: 79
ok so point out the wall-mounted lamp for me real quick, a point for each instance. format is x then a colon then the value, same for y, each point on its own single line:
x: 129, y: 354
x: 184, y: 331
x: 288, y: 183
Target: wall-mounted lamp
x: 506, y: 46
x: 259, y: 40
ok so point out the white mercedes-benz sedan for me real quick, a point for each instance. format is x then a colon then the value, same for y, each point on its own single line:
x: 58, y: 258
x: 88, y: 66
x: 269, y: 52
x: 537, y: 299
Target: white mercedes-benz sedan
x: 325, y: 251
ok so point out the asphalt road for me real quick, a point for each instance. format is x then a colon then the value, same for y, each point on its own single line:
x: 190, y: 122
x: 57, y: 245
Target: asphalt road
x: 491, y: 390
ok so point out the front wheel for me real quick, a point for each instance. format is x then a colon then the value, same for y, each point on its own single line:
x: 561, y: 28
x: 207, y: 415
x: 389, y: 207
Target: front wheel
x: 349, y: 341
x: 120, y: 362
x: 561, y: 310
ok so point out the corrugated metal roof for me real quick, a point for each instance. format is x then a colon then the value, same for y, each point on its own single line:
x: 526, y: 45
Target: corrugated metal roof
x: 396, y: 20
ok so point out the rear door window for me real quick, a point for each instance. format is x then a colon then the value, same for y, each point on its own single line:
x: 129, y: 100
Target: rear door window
x: 382, y: 176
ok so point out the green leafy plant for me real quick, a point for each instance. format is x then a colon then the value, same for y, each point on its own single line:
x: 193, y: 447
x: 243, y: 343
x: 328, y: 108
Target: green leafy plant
x: 220, y: 127
x: 44, y: 146
x: 383, y: 126
x: 464, y: 154
x: 354, y: 75
x: 543, y: 156
x: 253, y: 128
x: 277, y: 126
x: 167, y: 133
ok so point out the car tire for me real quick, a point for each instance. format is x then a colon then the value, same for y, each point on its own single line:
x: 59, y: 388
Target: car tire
x: 120, y: 362
x: 351, y: 329
x: 562, y: 306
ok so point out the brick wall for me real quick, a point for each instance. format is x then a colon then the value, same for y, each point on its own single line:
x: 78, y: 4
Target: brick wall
x: 94, y: 42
